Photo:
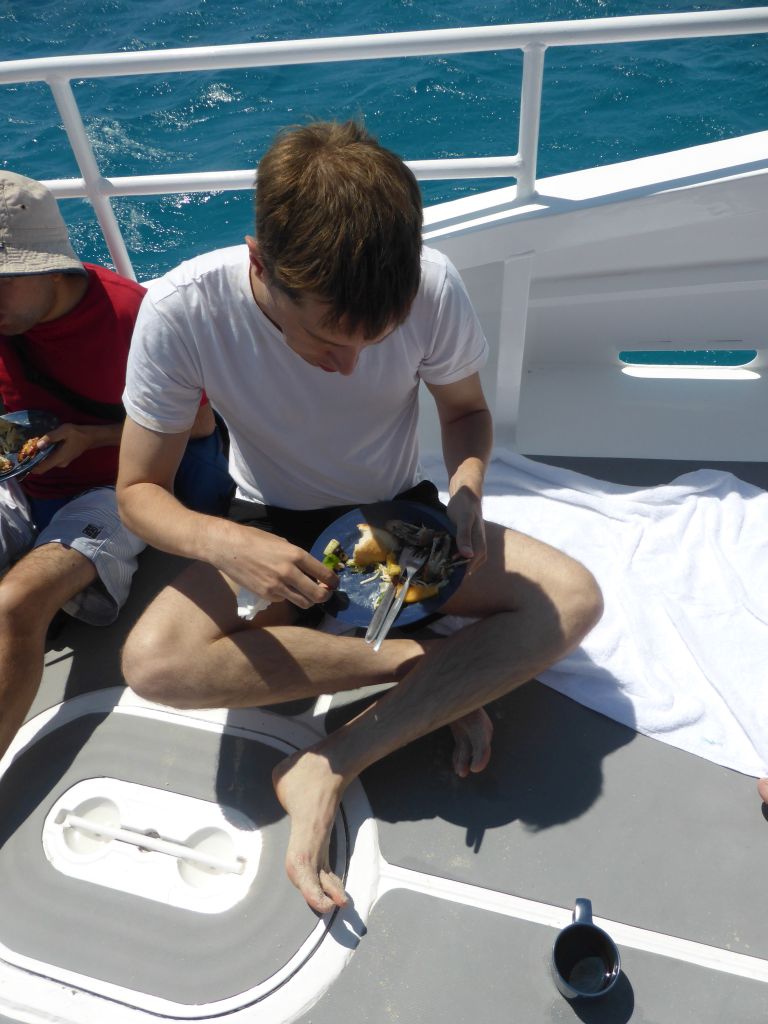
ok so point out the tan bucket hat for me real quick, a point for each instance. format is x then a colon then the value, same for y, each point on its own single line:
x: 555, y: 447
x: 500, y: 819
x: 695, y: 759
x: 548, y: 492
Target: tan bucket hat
x: 33, y: 235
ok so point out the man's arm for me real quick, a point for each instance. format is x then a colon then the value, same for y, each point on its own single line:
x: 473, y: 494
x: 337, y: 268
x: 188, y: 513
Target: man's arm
x: 467, y: 437
x: 266, y: 564
x: 74, y: 439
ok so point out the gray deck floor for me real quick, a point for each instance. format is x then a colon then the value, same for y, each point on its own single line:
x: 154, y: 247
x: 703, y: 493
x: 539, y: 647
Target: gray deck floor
x: 571, y: 805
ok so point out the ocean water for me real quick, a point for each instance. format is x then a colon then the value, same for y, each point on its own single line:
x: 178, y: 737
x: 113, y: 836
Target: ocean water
x: 600, y: 104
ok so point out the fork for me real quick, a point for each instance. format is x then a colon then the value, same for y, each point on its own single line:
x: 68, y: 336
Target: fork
x: 411, y: 560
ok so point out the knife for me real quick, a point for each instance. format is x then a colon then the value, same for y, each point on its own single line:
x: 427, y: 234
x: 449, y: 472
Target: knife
x: 381, y: 612
x: 391, y: 614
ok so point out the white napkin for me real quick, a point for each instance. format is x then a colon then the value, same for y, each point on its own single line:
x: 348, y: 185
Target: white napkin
x: 249, y: 604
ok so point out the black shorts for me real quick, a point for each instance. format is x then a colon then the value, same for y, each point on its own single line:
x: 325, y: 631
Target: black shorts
x: 303, y: 526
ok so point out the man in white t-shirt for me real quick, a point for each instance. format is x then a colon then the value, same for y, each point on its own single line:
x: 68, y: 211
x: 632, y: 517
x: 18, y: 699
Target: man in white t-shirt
x: 312, y: 340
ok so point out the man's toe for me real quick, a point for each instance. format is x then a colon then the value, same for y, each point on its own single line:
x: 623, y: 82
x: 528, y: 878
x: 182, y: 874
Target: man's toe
x: 316, y: 898
x: 333, y: 889
x: 480, y: 758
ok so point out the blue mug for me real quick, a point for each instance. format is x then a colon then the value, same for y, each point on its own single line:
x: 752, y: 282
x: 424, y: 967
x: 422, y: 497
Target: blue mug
x: 585, y: 959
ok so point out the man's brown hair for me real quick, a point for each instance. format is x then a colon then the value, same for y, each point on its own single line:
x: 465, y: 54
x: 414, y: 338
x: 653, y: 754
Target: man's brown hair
x: 339, y: 217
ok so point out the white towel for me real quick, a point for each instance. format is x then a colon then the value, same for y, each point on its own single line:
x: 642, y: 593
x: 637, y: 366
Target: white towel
x: 681, y: 651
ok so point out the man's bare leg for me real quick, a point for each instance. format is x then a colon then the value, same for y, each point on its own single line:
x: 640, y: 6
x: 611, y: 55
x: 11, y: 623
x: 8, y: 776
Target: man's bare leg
x: 30, y: 595
x: 454, y: 678
x: 762, y: 789
x: 189, y: 650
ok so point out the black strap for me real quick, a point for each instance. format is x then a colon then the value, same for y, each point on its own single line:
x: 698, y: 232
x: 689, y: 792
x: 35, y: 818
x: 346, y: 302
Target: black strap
x: 113, y: 412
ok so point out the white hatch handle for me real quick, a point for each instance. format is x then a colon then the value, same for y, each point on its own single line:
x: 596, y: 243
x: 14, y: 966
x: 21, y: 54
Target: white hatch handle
x: 100, y: 830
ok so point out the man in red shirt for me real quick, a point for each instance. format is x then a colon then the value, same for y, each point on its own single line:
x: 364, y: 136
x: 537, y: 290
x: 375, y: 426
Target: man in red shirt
x: 65, y: 331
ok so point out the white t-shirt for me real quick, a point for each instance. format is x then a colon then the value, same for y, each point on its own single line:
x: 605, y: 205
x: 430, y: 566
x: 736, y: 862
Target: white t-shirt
x: 300, y: 437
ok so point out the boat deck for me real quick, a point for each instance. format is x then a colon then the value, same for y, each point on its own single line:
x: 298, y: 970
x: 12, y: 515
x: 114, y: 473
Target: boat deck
x: 458, y: 886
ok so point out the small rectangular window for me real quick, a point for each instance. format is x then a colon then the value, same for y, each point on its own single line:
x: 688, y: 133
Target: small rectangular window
x: 689, y: 357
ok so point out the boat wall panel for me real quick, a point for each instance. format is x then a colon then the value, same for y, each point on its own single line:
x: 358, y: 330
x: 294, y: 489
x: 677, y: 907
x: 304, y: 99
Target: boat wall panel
x: 684, y: 268
x: 592, y: 319
x: 593, y: 411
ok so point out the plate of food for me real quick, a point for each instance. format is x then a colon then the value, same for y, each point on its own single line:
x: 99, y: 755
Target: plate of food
x: 362, y: 547
x: 19, y: 434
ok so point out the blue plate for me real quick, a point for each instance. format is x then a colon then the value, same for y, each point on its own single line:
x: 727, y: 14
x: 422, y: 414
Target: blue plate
x: 30, y: 423
x: 355, y: 600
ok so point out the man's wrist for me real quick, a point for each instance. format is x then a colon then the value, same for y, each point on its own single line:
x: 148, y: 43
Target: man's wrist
x: 217, y: 541
x: 469, y: 476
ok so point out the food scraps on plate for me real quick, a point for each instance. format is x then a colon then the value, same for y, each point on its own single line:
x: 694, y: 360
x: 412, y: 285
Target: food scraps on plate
x: 377, y: 550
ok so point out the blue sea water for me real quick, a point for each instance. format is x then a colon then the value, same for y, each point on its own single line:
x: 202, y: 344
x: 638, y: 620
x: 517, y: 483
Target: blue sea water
x: 600, y: 104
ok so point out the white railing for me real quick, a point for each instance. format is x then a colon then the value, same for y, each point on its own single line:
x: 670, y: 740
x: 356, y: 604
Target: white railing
x: 532, y: 39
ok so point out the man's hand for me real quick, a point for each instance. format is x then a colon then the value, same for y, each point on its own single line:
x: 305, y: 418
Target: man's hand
x: 72, y: 439
x: 465, y: 510
x: 275, y: 569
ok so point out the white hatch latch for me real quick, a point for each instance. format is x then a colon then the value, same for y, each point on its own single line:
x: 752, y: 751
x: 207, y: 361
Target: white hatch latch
x: 176, y: 849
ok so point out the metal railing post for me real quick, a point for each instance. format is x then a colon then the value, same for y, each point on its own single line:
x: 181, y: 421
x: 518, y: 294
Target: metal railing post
x: 96, y: 185
x: 530, y: 116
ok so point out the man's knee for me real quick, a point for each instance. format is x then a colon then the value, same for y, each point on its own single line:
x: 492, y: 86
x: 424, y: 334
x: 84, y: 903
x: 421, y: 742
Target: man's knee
x: 40, y: 584
x: 152, y: 664
x: 25, y: 605
x: 19, y: 612
x: 580, y: 601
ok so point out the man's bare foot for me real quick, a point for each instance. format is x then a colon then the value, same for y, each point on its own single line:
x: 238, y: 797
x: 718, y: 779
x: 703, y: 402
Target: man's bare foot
x: 472, y: 734
x: 311, y: 792
x: 762, y: 789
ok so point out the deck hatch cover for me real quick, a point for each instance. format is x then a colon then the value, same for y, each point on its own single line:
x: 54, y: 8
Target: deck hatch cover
x: 134, y: 949
x: 152, y: 843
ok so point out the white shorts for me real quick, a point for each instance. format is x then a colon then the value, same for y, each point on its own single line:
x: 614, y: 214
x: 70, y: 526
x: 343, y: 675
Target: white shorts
x: 89, y: 524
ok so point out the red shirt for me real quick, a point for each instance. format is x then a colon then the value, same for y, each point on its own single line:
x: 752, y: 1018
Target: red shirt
x: 86, y: 350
